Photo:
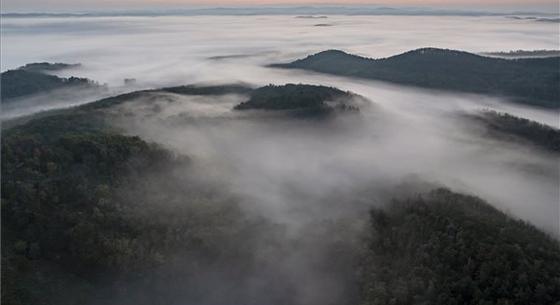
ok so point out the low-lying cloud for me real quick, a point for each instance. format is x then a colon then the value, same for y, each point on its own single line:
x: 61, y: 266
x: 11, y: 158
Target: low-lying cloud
x: 408, y: 132
x: 295, y: 172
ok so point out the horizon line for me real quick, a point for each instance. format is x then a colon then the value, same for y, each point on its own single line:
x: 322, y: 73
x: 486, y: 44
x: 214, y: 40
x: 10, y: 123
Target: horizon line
x: 276, y: 9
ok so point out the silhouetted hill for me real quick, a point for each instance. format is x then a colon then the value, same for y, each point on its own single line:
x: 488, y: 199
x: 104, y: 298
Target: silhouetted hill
x: 183, y: 90
x: 209, y: 90
x: 28, y: 81
x: 504, y: 125
x: 524, y: 54
x: 533, y: 81
x: 46, y: 66
x: 308, y: 99
x: 447, y: 248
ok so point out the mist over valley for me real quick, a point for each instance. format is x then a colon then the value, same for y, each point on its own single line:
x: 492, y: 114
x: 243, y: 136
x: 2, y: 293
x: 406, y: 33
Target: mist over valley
x: 175, y: 160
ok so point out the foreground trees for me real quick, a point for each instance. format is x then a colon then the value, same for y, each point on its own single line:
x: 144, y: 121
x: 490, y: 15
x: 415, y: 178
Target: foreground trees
x: 446, y: 248
x: 90, y: 216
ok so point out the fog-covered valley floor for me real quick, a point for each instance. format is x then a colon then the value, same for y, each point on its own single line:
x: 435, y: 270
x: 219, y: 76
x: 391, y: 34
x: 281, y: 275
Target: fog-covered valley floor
x: 408, y: 131
x: 293, y: 172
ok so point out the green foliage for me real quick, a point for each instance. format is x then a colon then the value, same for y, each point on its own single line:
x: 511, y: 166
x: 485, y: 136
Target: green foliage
x: 532, y: 81
x: 87, y: 212
x: 448, y: 248
x: 515, y: 128
x: 51, y: 173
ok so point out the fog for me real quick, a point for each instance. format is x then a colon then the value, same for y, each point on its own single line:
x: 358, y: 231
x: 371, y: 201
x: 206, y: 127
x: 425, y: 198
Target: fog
x: 274, y: 160
x: 316, y: 180
x: 164, y: 51
x: 299, y: 172
x: 176, y: 49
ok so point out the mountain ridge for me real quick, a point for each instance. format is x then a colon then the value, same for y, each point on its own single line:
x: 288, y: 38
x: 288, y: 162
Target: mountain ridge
x: 532, y: 81
x: 32, y: 79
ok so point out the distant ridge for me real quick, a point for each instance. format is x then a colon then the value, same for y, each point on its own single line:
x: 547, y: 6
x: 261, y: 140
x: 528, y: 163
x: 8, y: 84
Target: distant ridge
x: 533, y: 81
x: 524, y: 53
x: 354, y: 10
x: 516, y: 129
x: 33, y: 79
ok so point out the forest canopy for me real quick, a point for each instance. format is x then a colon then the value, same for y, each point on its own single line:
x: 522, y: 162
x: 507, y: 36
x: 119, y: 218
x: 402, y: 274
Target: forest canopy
x: 310, y: 99
x: 91, y: 215
x: 447, y: 248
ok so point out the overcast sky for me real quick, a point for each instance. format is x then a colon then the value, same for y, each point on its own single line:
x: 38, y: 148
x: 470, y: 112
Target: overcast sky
x: 550, y: 6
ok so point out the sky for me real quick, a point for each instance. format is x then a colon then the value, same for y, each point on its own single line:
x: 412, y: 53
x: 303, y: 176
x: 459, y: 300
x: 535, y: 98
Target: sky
x: 550, y: 6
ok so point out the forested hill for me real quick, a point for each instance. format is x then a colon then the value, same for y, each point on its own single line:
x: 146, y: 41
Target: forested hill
x: 32, y: 79
x: 90, y: 216
x: 46, y: 66
x: 532, y: 81
x: 445, y: 248
x: 304, y: 99
x: 508, y: 127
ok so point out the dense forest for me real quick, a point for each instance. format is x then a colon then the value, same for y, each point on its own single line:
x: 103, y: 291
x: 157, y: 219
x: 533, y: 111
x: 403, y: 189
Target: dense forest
x: 306, y: 99
x: 509, y: 127
x: 447, y: 248
x: 89, y: 216
x: 92, y: 216
x: 532, y: 81
x: 32, y: 79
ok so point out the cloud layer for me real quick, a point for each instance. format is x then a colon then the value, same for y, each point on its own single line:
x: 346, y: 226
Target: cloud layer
x: 280, y: 166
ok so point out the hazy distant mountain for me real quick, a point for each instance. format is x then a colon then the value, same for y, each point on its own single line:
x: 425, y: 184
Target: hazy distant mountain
x: 276, y: 10
x: 536, y: 19
x: 551, y: 20
x: 531, y: 81
x: 509, y: 127
x: 46, y: 66
x: 32, y: 79
x: 524, y: 54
